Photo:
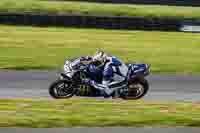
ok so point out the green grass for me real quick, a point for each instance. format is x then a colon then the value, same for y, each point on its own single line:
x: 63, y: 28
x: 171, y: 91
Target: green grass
x: 92, y: 113
x: 41, y: 48
x: 60, y: 7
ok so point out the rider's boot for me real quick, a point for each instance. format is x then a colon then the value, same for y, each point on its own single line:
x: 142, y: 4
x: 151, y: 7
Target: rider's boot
x: 107, y: 93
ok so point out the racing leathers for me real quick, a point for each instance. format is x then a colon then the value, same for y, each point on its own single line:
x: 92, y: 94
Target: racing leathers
x: 113, y: 74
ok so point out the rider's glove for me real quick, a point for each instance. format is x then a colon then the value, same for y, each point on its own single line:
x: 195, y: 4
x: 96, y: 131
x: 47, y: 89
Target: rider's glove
x: 86, y: 81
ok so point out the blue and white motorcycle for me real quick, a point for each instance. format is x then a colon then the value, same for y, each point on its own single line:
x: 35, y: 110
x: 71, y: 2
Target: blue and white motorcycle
x: 70, y: 83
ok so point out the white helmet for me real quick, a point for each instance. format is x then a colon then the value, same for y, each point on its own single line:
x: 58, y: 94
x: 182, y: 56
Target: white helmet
x: 99, y: 57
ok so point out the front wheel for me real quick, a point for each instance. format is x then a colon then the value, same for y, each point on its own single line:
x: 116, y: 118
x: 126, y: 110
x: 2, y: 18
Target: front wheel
x: 61, y: 89
x: 136, y: 89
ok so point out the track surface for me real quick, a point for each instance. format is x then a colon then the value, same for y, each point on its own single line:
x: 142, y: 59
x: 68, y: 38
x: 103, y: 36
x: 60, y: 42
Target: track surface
x: 34, y: 84
x: 101, y: 130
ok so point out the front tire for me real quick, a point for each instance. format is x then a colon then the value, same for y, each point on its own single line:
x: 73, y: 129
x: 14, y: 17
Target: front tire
x: 136, y: 89
x: 61, y: 89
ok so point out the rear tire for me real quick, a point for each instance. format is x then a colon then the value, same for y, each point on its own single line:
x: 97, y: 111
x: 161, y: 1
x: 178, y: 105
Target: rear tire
x: 61, y: 89
x: 136, y: 89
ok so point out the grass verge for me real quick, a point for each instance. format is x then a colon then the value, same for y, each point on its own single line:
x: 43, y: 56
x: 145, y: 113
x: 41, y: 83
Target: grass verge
x: 93, y: 113
x: 41, y: 48
x: 61, y: 7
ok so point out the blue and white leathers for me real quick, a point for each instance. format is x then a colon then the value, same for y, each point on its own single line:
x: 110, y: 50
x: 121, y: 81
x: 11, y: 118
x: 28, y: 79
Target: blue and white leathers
x: 114, y: 73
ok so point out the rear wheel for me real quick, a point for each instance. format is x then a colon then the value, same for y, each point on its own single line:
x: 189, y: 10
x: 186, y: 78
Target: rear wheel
x: 61, y: 89
x: 136, y: 89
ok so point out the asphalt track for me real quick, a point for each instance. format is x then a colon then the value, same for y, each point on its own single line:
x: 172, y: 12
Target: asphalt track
x: 100, y: 130
x: 34, y: 84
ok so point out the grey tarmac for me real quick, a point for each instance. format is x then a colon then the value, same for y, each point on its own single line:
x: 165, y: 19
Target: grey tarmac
x: 35, y: 83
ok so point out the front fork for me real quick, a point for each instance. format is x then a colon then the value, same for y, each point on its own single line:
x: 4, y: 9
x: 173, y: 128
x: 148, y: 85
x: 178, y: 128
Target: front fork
x: 64, y: 76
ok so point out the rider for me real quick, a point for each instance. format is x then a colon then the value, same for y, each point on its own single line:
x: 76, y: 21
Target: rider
x: 113, y: 71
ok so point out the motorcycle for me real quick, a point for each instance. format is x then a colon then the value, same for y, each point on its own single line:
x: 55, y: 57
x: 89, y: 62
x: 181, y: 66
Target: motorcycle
x: 70, y: 82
